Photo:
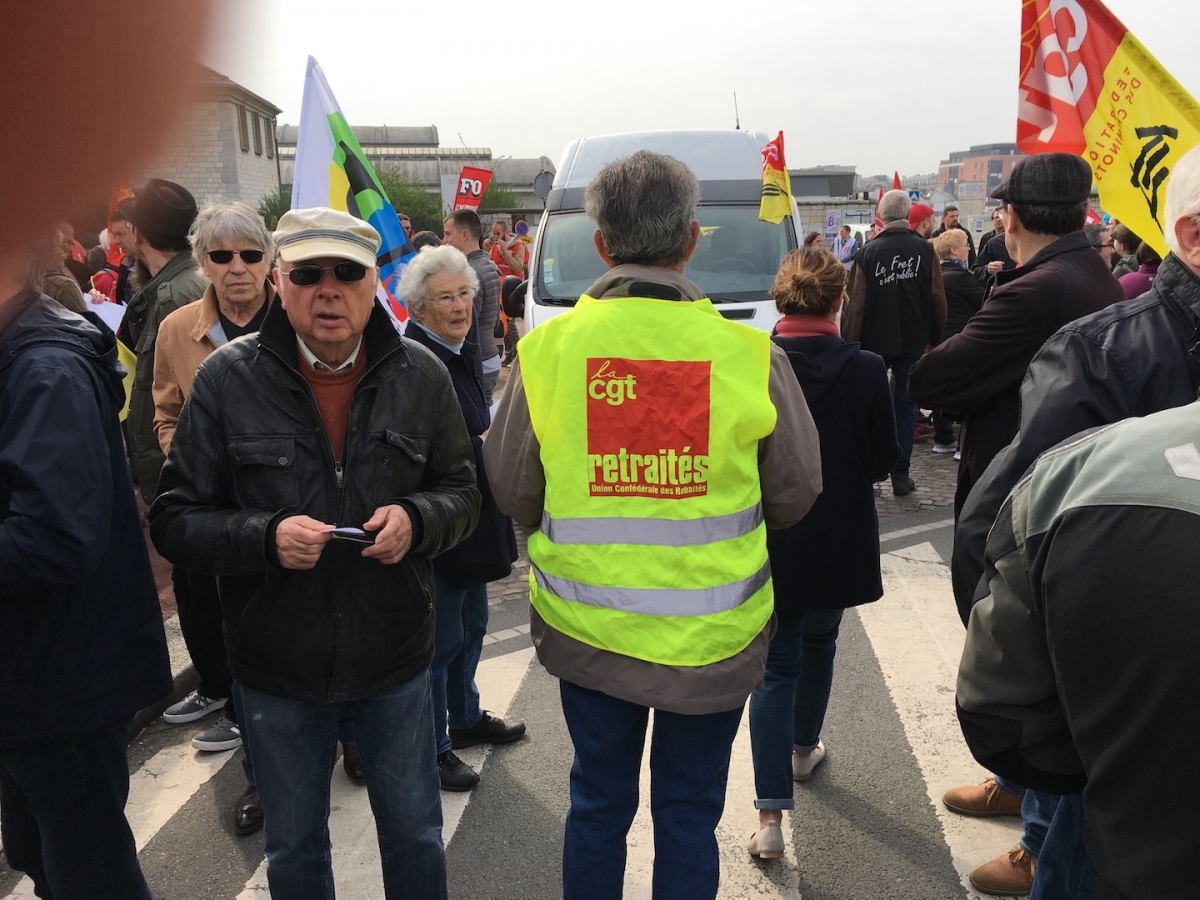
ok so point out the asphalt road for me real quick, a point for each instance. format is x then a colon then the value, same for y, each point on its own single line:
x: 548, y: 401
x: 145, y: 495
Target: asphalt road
x: 867, y: 825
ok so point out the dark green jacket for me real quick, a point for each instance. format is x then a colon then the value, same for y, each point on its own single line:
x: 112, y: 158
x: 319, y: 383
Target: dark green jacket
x: 179, y: 282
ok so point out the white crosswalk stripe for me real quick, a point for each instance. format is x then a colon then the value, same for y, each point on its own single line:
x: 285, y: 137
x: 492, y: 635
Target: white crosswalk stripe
x: 157, y: 791
x: 918, y: 639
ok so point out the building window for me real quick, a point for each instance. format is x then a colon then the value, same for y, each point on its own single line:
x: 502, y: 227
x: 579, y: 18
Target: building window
x: 257, y: 134
x: 270, y: 129
x: 243, y: 128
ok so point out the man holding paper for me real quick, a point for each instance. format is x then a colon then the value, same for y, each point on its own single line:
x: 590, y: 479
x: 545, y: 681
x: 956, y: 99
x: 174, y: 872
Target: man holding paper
x: 323, y: 422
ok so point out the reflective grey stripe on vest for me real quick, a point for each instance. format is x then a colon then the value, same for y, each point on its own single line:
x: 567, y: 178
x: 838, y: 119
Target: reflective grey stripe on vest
x: 659, y: 532
x: 658, y: 601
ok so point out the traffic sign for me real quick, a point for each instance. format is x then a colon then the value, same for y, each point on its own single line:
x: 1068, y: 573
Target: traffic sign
x: 914, y: 196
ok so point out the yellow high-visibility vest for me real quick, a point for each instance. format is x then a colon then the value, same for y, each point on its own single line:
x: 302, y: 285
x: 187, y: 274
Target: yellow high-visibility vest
x: 649, y: 414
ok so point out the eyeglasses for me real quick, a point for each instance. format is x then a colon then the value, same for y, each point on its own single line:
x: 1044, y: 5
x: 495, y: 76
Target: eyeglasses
x: 447, y: 298
x: 1102, y: 246
x: 225, y: 257
x: 345, y: 272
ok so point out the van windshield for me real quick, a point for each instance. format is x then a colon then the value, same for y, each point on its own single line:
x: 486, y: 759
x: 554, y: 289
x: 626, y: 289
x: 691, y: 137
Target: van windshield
x: 736, y: 257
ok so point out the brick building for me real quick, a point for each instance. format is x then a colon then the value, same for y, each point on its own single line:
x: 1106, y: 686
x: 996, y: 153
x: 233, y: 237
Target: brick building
x: 224, y: 147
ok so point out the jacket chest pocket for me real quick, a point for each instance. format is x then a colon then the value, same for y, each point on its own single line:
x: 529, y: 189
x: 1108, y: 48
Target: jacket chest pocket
x: 264, y: 472
x: 400, y: 461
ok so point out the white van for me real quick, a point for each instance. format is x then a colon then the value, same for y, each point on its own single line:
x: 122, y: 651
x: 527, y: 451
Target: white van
x: 737, y: 255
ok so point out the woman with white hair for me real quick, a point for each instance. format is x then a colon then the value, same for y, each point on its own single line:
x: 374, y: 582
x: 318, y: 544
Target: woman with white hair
x: 439, y: 286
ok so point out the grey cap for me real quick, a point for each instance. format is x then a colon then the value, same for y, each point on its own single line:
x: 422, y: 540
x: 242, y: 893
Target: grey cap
x: 1051, y: 179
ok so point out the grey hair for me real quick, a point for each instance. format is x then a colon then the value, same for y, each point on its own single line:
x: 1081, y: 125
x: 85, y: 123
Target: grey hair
x: 894, y: 206
x: 1183, y: 195
x: 428, y: 263
x: 217, y: 222
x: 644, y: 207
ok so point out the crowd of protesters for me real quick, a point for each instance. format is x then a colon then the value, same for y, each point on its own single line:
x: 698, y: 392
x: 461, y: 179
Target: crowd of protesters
x: 335, y: 497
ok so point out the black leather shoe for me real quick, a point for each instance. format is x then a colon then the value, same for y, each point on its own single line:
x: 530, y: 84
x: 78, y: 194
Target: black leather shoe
x: 902, y: 486
x: 352, y: 763
x: 248, y: 812
x: 455, y: 774
x: 488, y: 730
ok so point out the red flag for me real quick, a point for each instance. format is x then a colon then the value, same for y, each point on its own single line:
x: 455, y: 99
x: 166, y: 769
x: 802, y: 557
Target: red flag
x: 472, y: 184
x: 878, y: 200
x: 896, y: 185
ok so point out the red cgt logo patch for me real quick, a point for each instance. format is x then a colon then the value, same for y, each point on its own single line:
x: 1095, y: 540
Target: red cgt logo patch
x: 647, y: 428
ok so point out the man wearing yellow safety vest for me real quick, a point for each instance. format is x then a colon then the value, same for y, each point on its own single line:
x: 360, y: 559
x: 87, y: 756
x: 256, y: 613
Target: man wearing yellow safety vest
x: 651, y: 442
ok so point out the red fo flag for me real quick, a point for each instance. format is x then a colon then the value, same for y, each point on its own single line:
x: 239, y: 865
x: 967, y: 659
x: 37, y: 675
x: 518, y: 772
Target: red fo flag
x: 472, y: 185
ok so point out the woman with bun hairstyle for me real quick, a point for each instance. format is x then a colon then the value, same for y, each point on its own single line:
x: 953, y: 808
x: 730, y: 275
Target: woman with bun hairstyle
x: 830, y: 560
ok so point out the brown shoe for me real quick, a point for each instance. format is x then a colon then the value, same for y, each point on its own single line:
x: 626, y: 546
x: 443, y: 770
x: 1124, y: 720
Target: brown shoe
x: 985, y: 800
x: 1008, y: 875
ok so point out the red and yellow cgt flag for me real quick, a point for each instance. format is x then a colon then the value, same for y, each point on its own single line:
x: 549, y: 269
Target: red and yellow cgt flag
x: 1088, y: 86
x: 776, y: 201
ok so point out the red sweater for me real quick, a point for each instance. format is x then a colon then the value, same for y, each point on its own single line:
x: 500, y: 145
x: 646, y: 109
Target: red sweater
x: 333, y: 392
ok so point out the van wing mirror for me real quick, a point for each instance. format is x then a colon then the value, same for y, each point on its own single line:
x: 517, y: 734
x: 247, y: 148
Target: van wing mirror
x: 514, y: 303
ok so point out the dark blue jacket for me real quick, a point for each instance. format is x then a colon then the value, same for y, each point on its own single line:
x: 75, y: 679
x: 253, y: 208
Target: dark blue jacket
x: 81, y: 635
x: 488, y: 553
x: 830, y: 559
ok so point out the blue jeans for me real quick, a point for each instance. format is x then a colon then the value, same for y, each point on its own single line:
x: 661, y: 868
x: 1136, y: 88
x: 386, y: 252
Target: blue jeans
x: 689, y: 768
x: 294, y: 744
x: 787, y: 712
x: 906, y: 411
x: 345, y: 729
x: 1054, y: 834
x: 62, y: 817
x: 462, y: 618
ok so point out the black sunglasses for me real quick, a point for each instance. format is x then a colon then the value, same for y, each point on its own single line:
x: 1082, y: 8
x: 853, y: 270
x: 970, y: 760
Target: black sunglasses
x: 225, y: 257
x: 346, y: 272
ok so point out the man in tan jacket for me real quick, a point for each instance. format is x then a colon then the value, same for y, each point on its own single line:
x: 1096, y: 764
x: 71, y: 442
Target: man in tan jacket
x: 235, y: 252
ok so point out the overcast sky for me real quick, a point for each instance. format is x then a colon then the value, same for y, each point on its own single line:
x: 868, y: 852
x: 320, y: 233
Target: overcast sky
x: 878, y: 84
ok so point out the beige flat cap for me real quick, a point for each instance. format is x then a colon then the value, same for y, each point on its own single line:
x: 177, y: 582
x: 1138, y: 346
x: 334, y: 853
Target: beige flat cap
x: 312, y: 233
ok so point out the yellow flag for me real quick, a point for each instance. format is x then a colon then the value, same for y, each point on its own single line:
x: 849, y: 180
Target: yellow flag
x: 776, y: 201
x: 129, y: 360
x: 1088, y: 86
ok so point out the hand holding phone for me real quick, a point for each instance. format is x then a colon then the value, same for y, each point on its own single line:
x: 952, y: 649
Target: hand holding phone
x: 356, y: 535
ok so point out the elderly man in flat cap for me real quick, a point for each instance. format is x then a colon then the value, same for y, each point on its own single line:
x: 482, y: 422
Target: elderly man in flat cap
x: 316, y: 469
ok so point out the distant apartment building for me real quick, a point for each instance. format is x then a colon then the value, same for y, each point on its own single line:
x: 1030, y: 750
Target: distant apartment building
x: 224, y: 145
x: 969, y: 176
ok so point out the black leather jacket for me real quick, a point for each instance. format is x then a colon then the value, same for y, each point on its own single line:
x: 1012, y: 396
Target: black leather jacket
x: 1133, y: 358
x: 250, y: 450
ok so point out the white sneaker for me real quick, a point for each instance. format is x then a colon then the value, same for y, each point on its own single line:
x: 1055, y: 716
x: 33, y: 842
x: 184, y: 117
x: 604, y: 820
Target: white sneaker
x: 802, y: 766
x: 767, y: 842
x: 192, y: 707
x: 951, y: 447
x: 958, y: 454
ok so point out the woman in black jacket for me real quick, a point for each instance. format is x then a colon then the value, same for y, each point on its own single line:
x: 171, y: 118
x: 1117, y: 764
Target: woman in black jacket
x: 439, y: 286
x: 830, y: 560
